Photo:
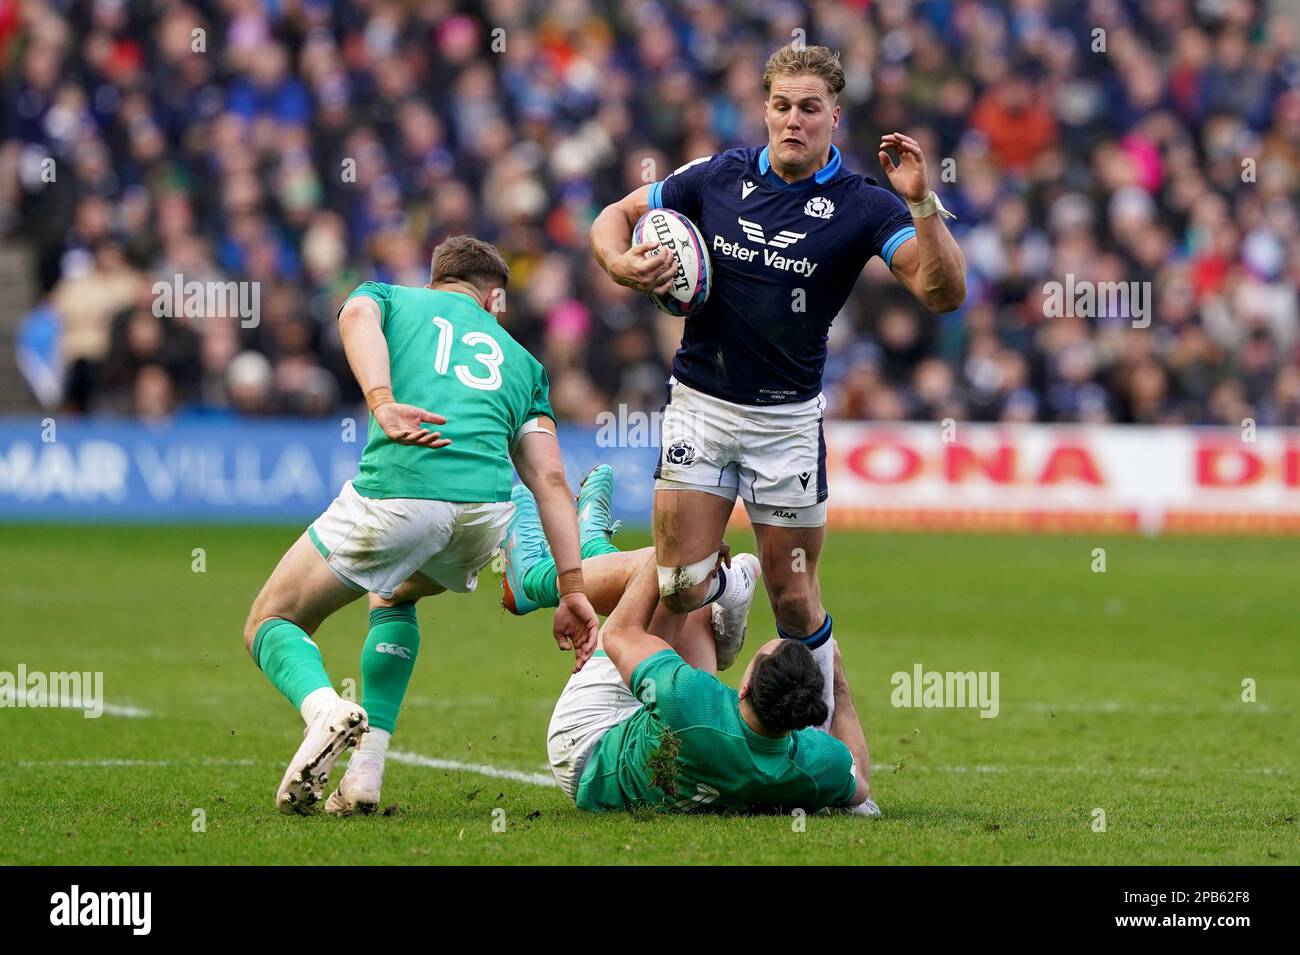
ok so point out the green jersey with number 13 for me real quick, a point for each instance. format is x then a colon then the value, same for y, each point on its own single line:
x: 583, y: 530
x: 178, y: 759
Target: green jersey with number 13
x: 449, y: 356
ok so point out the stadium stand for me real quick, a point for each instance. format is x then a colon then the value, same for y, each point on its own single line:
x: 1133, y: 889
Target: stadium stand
x: 307, y: 146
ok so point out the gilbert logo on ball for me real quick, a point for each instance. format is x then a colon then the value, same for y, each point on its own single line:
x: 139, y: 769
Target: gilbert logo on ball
x: 694, y: 276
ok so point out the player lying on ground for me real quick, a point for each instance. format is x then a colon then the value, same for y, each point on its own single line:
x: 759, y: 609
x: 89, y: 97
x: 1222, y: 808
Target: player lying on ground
x: 425, y: 513
x: 710, y: 638
x: 789, y: 230
x: 699, y: 709
x: 639, y: 726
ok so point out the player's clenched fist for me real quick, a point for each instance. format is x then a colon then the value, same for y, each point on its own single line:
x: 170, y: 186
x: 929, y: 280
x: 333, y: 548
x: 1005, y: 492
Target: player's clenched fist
x: 401, y: 423
x: 649, y: 273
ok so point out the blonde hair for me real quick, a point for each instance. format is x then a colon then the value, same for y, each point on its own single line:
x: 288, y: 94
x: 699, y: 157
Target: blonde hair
x: 794, y: 59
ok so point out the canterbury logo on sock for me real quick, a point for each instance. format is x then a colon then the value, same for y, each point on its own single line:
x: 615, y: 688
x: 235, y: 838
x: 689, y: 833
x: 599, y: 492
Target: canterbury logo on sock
x: 394, y: 649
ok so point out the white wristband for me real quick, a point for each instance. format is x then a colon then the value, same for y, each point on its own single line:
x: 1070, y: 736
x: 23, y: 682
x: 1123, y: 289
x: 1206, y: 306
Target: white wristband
x: 928, y: 207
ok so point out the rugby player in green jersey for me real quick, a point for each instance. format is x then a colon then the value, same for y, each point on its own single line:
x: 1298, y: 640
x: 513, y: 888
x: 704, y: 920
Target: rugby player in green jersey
x: 639, y: 726
x: 426, y: 511
x: 647, y: 723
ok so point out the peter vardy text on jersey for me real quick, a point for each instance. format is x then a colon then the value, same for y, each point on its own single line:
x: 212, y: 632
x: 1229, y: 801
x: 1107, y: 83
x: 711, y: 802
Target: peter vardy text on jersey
x: 776, y: 260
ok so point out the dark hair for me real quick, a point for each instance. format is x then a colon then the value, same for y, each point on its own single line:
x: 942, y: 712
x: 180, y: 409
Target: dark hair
x: 468, y: 259
x: 785, y: 688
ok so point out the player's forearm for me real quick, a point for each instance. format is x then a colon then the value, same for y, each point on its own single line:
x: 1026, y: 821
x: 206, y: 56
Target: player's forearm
x: 847, y: 728
x: 559, y: 520
x: 366, y: 349
x: 635, y: 610
x: 942, y: 267
x: 611, y: 235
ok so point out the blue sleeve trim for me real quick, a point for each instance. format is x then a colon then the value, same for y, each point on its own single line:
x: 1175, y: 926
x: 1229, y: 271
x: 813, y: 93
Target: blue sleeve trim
x: 657, y: 195
x: 897, y: 239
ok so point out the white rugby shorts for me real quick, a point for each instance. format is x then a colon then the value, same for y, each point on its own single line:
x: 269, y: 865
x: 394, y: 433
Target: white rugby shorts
x: 374, y: 544
x: 773, y: 456
x: 594, y: 701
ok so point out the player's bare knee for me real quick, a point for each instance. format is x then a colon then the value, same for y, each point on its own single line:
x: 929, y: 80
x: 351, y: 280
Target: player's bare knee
x: 684, y: 587
x: 251, y: 626
x: 263, y: 609
x: 683, y: 600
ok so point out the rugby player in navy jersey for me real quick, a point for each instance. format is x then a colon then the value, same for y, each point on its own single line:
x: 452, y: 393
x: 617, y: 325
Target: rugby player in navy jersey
x: 789, y: 230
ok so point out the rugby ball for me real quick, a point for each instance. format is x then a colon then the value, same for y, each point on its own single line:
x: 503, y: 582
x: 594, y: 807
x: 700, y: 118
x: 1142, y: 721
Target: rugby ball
x: 694, y: 278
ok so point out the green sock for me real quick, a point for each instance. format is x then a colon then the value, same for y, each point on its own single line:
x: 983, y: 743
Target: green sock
x: 290, y: 659
x: 541, y: 582
x: 386, y: 672
x: 597, y: 546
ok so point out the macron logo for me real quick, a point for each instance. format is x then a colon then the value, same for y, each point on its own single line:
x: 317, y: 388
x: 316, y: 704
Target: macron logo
x: 782, y: 240
x: 746, y: 188
x: 103, y: 908
x: 394, y: 650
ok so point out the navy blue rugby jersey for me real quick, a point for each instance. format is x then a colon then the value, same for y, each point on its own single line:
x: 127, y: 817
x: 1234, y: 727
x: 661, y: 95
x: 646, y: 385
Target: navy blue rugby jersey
x: 775, y: 247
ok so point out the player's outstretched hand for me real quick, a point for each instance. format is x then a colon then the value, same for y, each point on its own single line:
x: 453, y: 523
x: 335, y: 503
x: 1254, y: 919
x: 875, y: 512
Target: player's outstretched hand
x: 575, y: 628
x: 402, y: 424
x: 645, y: 273
x: 908, y: 176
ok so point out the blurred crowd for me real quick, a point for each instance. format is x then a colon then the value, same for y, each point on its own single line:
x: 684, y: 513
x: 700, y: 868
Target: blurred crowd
x: 309, y: 145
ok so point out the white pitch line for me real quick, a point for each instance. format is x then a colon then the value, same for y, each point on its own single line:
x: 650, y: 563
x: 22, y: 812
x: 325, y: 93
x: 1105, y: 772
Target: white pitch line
x: 95, y: 762
x: 483, y: 769
x: 61, y: 702
x: 879, y: 769
x: 547, y: 780
x: 131, y: 712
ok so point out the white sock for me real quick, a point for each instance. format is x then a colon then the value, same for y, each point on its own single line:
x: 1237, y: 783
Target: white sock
x: 736, y: 589
x: 375, y: 744
x: 825, y: 657
x: 317, y: 701
x: 718, y: 586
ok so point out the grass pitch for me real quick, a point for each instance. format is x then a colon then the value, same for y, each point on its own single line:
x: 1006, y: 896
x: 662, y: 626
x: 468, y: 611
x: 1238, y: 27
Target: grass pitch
x: 1120, y: 692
